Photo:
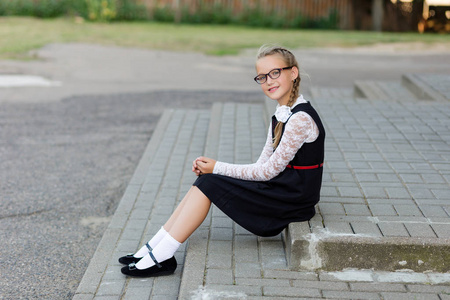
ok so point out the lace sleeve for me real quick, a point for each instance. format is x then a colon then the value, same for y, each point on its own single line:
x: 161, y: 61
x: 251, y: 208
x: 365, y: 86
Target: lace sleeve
x: 267, y: 150
x: 299, y: 129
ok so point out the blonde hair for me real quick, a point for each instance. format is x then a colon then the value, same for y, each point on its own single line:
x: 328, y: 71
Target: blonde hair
x: 290, y: 60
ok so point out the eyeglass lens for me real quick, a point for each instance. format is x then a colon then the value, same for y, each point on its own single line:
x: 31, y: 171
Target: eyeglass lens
x: 274, y: 74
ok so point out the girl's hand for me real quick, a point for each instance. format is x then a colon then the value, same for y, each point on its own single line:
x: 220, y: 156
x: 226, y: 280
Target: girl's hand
x: 195, y: 168
x: 203, y: 165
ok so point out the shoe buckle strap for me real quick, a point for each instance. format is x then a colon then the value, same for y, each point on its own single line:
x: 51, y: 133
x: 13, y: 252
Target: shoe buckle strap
x: 154, y: 259
x: 150, y: 249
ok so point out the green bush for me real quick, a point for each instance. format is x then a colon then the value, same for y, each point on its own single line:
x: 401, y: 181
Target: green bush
x: 163, y: 14
x: 50, y: 8
x: 17, y: 7
x: 216, y: 14
x: 132, y: 10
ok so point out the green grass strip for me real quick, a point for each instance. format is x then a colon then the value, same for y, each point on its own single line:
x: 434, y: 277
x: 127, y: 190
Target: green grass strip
x: 19, y: 35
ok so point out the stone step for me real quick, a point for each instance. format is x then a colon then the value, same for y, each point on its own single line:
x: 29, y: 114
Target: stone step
x: 335, y: 240
x: 383, y: 90
x: 412, y: 87
x: 428, y: 86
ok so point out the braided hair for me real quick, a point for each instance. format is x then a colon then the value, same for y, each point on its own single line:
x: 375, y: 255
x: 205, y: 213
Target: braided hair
x: 290, y: 60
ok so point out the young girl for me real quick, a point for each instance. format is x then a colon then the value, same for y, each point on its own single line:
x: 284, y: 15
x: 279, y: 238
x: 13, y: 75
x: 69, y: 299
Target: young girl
x: 281, y: 187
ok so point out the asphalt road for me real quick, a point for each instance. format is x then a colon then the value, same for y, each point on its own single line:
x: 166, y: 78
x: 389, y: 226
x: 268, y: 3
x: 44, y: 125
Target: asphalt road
x: 68, y: 152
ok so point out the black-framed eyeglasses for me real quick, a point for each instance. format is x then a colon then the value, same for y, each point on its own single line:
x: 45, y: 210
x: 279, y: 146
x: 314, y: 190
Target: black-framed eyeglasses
x: 274, y: 74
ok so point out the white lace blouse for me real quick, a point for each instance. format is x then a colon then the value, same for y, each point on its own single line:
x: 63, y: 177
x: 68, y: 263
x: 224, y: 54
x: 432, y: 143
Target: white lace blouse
x: 300, y: 129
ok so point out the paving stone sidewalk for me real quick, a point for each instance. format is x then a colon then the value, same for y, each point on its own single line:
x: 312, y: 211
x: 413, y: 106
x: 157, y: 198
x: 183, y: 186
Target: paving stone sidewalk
x: 387, y: 174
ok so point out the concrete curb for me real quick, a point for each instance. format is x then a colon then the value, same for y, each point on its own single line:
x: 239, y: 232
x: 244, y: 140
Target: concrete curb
x: 335, y: 252
x: 421, y: 89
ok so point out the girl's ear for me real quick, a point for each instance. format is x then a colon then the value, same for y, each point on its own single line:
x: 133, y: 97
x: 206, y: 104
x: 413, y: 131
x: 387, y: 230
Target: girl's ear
x: 294, y: 72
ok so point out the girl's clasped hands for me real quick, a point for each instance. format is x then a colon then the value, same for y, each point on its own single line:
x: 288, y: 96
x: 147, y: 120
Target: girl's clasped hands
x: 203, y: 165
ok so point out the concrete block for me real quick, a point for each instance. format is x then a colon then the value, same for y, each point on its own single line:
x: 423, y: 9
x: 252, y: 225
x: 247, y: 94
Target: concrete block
x: 338, y: 227
x: 442, y: 230
x: 374, y: 192
x: 348, y: 276
x: 111, y: 288
x: 409, y: 296
x: 322, y: 285
x: 246, y: 253
x: 83, y: 297
x: 219, y: 261
x: 342, y: 177
x: 219, y: 276
x: 166, y: 285
x: 382, y: 210
x: 137, y: 293
x: 224, y: 222
x: 377, y: 287
x: 218, y: 291
x: 248, y: 270
x: 221, y: 234
x: 274, y: 262
x: 349, y: 191
x: 441, y: 193
x: 350, y: 295
x: 366, y: 228
x: 434, y: 289
x: 331, y: 208
x: 407, y: 210
x: 263, y: 282
x: 366, y: 177
x: 391, y: 230
x: 411, y: 178
x: 398, y: 192
x: 357, y: 210
x: 272, y: 291
x: 329, y: 191
x: 164, y: 297
x: 435, y: 178
x: 271, y: 247
x: 108, y: 297
x: 420, y: 230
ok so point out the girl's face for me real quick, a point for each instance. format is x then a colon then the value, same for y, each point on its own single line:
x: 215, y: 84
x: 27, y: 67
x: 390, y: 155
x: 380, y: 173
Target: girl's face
x: 280, y: 88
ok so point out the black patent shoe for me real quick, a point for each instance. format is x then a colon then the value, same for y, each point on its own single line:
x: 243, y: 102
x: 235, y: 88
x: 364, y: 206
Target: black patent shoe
x: 166, y: 267
x: 130, y: 259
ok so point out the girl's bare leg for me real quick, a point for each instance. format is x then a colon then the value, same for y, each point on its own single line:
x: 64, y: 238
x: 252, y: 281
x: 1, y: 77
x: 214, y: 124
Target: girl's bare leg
x: 166, y: 228
x: 188, y: 216
x: 168, y: 225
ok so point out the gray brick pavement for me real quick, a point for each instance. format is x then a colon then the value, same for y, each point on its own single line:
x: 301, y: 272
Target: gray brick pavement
x: 391, y: 167
x: 237, y: 260
x: 382, y: 179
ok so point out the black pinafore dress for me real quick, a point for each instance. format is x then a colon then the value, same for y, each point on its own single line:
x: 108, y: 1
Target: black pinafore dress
x: 265, y: 208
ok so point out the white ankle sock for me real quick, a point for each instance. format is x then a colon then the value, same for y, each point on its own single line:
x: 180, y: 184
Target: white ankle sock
x: 163, y: 251
x: 153, y: 243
